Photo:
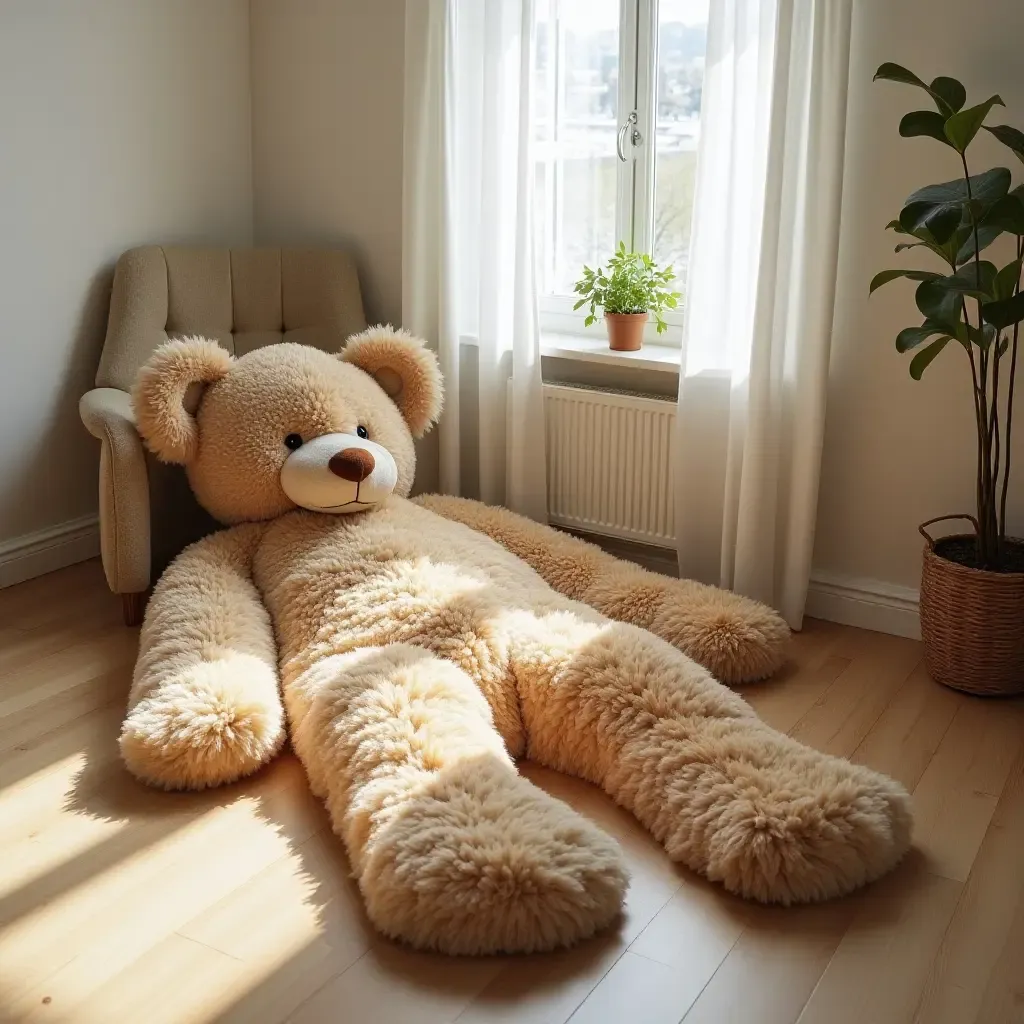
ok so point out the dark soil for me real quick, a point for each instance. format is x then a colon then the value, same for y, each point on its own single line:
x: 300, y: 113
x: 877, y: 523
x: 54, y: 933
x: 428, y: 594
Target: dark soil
x: 963, y: 551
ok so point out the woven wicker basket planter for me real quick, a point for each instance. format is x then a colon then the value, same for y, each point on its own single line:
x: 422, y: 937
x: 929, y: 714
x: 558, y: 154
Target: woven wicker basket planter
x: 972, y: 624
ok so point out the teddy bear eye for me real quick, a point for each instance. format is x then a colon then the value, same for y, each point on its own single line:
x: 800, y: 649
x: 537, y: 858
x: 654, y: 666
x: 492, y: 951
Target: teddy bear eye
x: 362, y: 431
x: 293, y: 441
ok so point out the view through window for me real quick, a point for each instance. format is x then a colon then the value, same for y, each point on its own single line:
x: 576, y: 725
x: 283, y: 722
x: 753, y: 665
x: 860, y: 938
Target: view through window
x: 598, y: 61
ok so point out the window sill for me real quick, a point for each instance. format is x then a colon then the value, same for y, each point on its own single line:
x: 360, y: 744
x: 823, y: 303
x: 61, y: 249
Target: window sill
x: 581, y: 348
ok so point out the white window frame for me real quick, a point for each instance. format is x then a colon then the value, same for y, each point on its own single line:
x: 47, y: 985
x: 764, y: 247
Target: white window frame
x: 634, y: 208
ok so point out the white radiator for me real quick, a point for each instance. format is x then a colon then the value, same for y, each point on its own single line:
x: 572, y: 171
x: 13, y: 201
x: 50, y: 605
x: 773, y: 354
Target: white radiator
x: 610, y: 463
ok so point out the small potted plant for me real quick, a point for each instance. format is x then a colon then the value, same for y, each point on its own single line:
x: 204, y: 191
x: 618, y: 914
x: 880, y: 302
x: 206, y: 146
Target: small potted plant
x: 972, y: 585
x: 632, y: 288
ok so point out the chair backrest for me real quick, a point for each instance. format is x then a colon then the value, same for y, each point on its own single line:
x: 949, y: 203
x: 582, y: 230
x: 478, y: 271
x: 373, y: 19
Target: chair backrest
x: 241, y: 298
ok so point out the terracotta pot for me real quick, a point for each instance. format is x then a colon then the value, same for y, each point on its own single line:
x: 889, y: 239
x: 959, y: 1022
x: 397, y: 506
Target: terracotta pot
x: 972, y: 620
x: 625, y: 331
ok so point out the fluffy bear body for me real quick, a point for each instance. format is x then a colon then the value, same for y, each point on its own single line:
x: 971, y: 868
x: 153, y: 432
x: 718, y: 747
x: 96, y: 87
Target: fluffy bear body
x: 418, y: 658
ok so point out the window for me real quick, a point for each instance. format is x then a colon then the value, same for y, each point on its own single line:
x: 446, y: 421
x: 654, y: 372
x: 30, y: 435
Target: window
x: 617, y: 92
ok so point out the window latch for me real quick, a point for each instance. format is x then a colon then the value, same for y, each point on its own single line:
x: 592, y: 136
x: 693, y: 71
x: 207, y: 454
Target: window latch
x: 635, y: 137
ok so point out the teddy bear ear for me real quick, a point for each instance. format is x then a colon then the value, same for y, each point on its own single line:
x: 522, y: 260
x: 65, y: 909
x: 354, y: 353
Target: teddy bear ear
x: 405, y: 368
x: 167, y: 393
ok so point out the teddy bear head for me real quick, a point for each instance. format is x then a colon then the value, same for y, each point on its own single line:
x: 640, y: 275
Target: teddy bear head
x: 289, y: 426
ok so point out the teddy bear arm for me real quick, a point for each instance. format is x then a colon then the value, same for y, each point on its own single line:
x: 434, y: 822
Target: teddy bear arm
x: 738, y: 640
x: 770, y: 819
x: 205, y: 705
x: 452, y: 848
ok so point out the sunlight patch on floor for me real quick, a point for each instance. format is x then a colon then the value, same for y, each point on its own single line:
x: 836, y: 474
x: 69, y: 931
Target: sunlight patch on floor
x: 37, y: 855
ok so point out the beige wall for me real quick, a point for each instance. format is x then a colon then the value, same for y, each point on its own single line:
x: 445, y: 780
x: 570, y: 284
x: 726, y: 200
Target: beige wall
x: 327, y: 133
x: 897, y: 451
x: 121, y: 122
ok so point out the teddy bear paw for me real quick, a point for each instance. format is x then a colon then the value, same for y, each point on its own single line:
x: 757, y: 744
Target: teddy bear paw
x: 738, y: 640
x: 205, y: 726
x: 481, y: 861
x: 777, y: 822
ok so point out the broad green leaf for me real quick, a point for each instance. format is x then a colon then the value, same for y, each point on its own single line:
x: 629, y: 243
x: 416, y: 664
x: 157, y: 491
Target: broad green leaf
x: 976, y: 279
x: 911, y: 337
x: 934, y: 213
x: 958, y: 248
x: 986, y: 187
x: 982, y: 338
x: 946, y: 251
x: 924, y: 122
x: 891, y: 275
x: 1007, y: 213
x: 950, y: 91
x: 940, y: 219
x: 962, y: 126
x: 1008, y: 136
x: 987, y: 234
x: 580, y: 304
x: 1006, y: 280
x: 923, y: 359
x: 897, y: 73
x: 1005, y: 312
x: 939, y: 304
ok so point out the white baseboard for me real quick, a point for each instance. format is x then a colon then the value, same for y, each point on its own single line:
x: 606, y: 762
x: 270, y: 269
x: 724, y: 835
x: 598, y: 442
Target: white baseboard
x: 849, y: 600
x: 46, y: 550
x: 870, y: 604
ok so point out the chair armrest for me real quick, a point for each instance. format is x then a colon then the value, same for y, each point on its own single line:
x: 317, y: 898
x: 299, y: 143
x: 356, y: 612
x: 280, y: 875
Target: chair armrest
x: 124, y: 489
x: 107, y: 409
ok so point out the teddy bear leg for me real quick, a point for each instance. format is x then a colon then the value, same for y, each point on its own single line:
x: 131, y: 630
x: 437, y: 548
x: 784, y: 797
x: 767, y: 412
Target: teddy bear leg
x: 737, y: 639
x: 453, y: 850
x: 728, y: 796
x: 205, y: 705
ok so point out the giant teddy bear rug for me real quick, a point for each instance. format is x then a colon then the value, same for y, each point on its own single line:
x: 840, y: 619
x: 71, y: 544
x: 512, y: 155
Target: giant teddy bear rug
x: 413, y: 651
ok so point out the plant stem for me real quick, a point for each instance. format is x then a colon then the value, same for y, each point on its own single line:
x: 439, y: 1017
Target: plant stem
x: 985, y: 508
x: 987, y: 535
x: 994, y: 441
x: 1009, y: 405
x: 980, y: 424
x: 974, y: 222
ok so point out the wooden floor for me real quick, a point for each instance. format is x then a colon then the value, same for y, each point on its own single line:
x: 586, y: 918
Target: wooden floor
x: 121, y: 904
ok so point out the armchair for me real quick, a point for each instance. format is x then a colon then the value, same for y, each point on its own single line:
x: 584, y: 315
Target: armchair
x: 241, y: 298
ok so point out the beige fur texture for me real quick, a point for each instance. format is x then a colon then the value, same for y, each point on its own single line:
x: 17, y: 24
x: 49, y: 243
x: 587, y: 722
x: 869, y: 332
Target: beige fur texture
x: 170, y: 382
x: 417, y: 658
x: 234, y: 463
x: 404, y: 368
x: 736, y: 639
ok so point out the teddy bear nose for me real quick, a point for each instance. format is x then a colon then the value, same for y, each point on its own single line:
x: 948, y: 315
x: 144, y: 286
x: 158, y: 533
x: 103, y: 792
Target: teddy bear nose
x: 353, y: 464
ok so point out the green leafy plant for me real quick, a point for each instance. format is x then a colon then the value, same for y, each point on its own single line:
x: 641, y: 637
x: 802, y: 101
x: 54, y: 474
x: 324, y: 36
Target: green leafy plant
x: 973, y: 303
x: 633, y: 284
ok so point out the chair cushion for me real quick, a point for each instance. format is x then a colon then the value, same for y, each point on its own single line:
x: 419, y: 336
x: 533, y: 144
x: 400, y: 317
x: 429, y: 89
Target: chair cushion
x: 241, y: 298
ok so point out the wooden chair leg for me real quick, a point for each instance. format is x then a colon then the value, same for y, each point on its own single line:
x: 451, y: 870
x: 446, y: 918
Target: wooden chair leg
x: 132, y: 607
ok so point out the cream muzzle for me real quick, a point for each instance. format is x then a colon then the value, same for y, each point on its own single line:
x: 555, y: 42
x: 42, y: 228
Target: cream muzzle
x: 339, y: 473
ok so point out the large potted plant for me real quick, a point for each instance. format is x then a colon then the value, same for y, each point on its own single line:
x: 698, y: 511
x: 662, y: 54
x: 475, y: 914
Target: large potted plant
x: 972, y: 585
x: 632, y: 288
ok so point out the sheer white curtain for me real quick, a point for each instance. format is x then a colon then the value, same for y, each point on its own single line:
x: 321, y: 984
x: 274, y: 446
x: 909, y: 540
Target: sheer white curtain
x: 760, y: 295
x: 468, y: 265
